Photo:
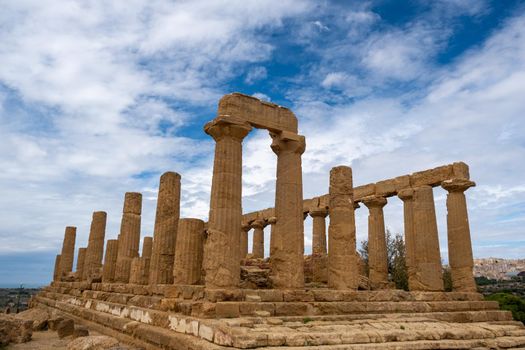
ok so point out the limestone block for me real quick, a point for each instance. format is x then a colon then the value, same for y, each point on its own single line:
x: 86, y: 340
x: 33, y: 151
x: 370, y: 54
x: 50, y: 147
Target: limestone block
x: 363, y: 191
x: 93, y: 342
x: 227, y: 309
x: 14, y: 330
x: 65, y: 328
x: 460, y: 170
x: 431, y: 177
x: 386, y: 188
x: 259, y: 113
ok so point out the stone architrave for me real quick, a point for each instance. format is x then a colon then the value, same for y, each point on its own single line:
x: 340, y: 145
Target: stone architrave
x: 57, y: 272
x: 95, y: 248
x: 128, y: 246
x: 165, y: 231
x: 343, y: 271
x: 221, y: 250
x: 81, y: 258
x: 245, y: 228
x: 287, y: 258
x: 110, y: 261
x: 377, y: 250
x: 188, y: 255
x: 459, y: 243
x: 258, y: 239
x: 68, y: 250
x: 407, y: 196
x: 428, y: 258
x: 319, y: 252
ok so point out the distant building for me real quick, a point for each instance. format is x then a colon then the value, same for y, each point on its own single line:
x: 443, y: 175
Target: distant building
x: 498, y: 269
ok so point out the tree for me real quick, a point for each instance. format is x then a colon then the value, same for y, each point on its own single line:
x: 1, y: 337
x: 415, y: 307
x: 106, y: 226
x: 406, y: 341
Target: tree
x: 397, y: 269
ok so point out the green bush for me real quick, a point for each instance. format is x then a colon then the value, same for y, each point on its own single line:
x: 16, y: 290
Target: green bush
x: 510, y: 302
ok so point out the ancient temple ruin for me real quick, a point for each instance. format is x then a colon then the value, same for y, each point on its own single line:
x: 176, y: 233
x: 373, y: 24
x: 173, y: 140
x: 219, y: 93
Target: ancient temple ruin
x: 196, y: 286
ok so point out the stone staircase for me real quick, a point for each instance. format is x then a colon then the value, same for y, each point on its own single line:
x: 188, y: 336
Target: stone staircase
x: 190, y: 317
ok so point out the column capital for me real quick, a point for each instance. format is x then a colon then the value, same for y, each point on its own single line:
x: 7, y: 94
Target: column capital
x: 286, y: 141
x: 319, y: 212
x: 225, y: 126
x: 405, y: 194
x: 272, y: 220
x: 259, y: 223
x: 457, y: 185
x: 246, y: 227
x: 374, y: 201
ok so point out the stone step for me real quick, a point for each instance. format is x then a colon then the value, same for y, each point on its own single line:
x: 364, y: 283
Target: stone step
x: 161, y: 328
x: 458, y: 311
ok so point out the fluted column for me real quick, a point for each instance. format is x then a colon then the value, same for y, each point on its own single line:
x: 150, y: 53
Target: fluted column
x: 245, y: 228
x: 128, y: 246
x: 147, y: 247
x: 459, y: 243
x: 377, y: 250
x: 221, y: 251
x: 165, y: 232
x: 258, y: 238
x: 428, y: 259
x: 57, y: 272
x: 110, y: 261
x: 287, y: 258
x: 407, y: 196
x: 319, y: 253
x: 189, y: 252
x: 95, y: 248
x: 81, y: 259
x: 272, y: 221
x: 68, y: 250
x: 342, y: 257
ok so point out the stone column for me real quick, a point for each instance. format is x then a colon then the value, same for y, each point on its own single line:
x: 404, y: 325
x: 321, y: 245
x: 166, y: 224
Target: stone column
x: 57, y: 272
x: 319, y: 253
x: 188, y: 255
x: 95, y: 248
x: 428, y: 259
x: 258, y: 239
x: 68, y: 250
x: 128, y: 246
x: 81, y: 258
x: 377, y: 250
x: 245, y: 228
x: 221, y: 251
x: 407, y: 196
x: 147, y: 247
x: 288, y: 234
x: 165, y: 232
x: 342, y: 257
x: 459, y: 244
x: 110, y: 261
x: 272, y: 221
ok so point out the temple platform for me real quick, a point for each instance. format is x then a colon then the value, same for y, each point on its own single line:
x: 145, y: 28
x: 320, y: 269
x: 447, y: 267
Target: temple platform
x: 192, y: 317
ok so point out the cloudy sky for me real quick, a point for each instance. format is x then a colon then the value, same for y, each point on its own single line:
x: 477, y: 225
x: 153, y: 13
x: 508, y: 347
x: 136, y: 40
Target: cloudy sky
x: 99, y: 98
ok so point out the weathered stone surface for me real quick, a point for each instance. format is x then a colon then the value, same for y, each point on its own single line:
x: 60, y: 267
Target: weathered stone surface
x: 342, y: 260
x: 128, y: 246
x: 57, y: 270
x: 94, y: 342
x: 80, y: 331
x: 165, y: 232
x: 95, y: 248
x: 65, y: 328
x: 189, y: 252
x: 110, y: 261
x: 459, y: 243
x: 319, y: 252
x: 37, y: 315
x: 68, y: 250
x: 288, y: 232
x: 53, y: 322
x: 377, y: 250
x: 81, y: 258
x: 258, y: 238
x: 221, y: 250
x: 14, y: 330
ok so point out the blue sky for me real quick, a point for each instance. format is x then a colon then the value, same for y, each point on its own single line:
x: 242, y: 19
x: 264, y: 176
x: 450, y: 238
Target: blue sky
x: 100, y: 98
